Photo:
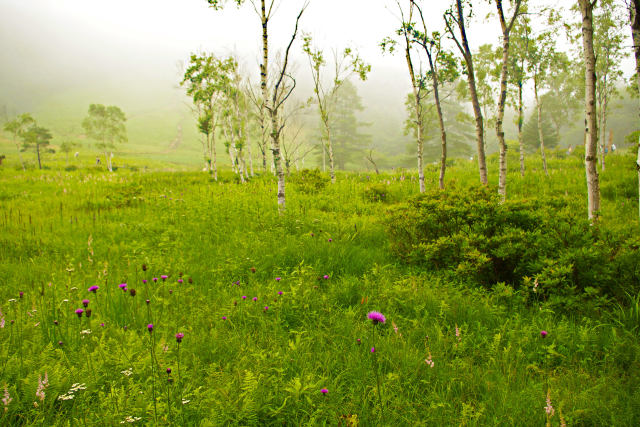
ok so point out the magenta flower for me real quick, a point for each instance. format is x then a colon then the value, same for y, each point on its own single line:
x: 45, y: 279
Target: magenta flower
x: 85, y: 302
x: 164, y: 277
x: 237, y: 282
x: 266, y: 307
x: 180, y: 280
x: 150, y: 327
x: 279, y: 292
x: 373, y: 349
x: 102, y: 324
x: 144, y: 281
x: 179, y: 337
x: 123, y: 286
x: 79, y: 312
x: 244, y: 297
x: 330, y: 240
x: 359, y: 341
x: 376, y: 317
x: 168, y: 371
x: 324, y: 391
x: 224, y: 317
x: 543, y: 334
x: 93, y: 288
x: 278, y: 279
x: 155, y: 279
x: 255, y: 298
x: 326, y: 276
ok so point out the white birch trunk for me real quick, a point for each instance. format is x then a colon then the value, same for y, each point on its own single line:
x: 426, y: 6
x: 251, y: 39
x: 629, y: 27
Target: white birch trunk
x: 591, y: 127
x: 540, y: 134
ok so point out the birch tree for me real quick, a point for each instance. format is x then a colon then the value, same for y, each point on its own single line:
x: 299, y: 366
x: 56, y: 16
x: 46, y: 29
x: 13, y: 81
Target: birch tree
x: 442, y: 69
x: 609, y: 51
x: 634, y: 23
x: 16, y: 128
x: 345, y: 65
x: 541, y: 60
x: 455, y: 16
x: 106, y: 126
x: 506, y: 27
x: 271, y: 102
x: 591, y: 127
x: 206, y: 81
x: 518, y: 76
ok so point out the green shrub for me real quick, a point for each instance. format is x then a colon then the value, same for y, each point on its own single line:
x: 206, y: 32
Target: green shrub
x: 376, y: 192
x: 468, y: 232
x: 309, y: 181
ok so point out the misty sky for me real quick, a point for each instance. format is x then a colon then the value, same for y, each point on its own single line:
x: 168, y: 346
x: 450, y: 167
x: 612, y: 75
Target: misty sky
x: 48, y: 46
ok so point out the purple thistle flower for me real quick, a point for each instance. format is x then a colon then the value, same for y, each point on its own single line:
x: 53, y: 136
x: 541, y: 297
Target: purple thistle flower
x: 144, y: 281
x: 150, y: 327
x: 148, y: 302
x: 93, y: 288
x: 279, y: 292
x: 543, y: 334
x: 237, y: 282
x: 179, y: 337
x: 376, y: 317
x: 324, y: 391
x: 330, y: 240
x: 164, y: 277
x: 21, y: 294
x: 85, y: 302
x: 373, y: 349
x: 359, y: 341
x: 224, y: 317
x: 102, y: 324
x: 155, y: 279
x: 326, y: 276
x: 180, y: 280
x: 266, y: 307
x: 123, y: 286
x: 244, y: 297
x: 255, y: 298
x: 79, y: 312
x: 278, y: 279
x: 168, y: 371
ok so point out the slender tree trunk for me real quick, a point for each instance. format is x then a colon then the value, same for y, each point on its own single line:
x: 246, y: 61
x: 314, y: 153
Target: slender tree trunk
x: 38, y: 152
x: 506, y: 29
x: 634, y: 20
x: 332, y: 171
x: 603, y: 128
x: 275, y: 139
x: 468, y: 59
x: 443, y: 132
x: 540, y: 134
x: 520, y: 122
x: 591, y: 127
x: 264, y: 68
x: 418, y: 110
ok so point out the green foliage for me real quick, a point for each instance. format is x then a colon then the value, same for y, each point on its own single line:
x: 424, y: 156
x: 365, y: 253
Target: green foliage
x: 105, y: 125
x: 469, y: 233
x: 377, y: 192
x: 309, y: 181
x: 531, y: 134
x: 267, y: 367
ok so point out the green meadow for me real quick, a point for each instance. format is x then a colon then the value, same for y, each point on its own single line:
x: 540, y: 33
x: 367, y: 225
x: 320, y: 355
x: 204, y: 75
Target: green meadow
x: 516, y: 314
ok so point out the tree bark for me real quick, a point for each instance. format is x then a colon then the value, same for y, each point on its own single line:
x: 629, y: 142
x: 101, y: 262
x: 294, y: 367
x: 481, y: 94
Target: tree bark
x: 520, y: 121
x: 634, y: 20
x: 468, y: 59
x: 591, y: 126
x: 603, y: 127
x: 38, y: 152
x: 506, y: 29
x: 263, y: 83
x: 540, y: 134
x: 418, y: 107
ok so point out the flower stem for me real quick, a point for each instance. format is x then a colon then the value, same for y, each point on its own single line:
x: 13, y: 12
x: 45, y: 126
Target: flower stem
x: 375, y: 367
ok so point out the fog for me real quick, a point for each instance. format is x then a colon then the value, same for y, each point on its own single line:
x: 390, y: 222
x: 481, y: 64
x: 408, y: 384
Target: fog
x: 66, y: 54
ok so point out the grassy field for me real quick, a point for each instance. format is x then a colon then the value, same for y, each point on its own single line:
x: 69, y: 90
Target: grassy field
x: 274, y: 308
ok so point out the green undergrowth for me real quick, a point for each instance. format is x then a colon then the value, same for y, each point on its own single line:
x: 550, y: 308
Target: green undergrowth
x: 461, y: 345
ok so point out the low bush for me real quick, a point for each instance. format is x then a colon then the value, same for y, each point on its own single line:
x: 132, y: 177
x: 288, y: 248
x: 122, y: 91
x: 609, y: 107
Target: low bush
x: 542, y: 243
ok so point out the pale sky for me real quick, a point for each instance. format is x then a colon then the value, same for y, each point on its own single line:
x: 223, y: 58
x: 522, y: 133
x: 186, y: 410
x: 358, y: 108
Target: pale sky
x: 46, y: 44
